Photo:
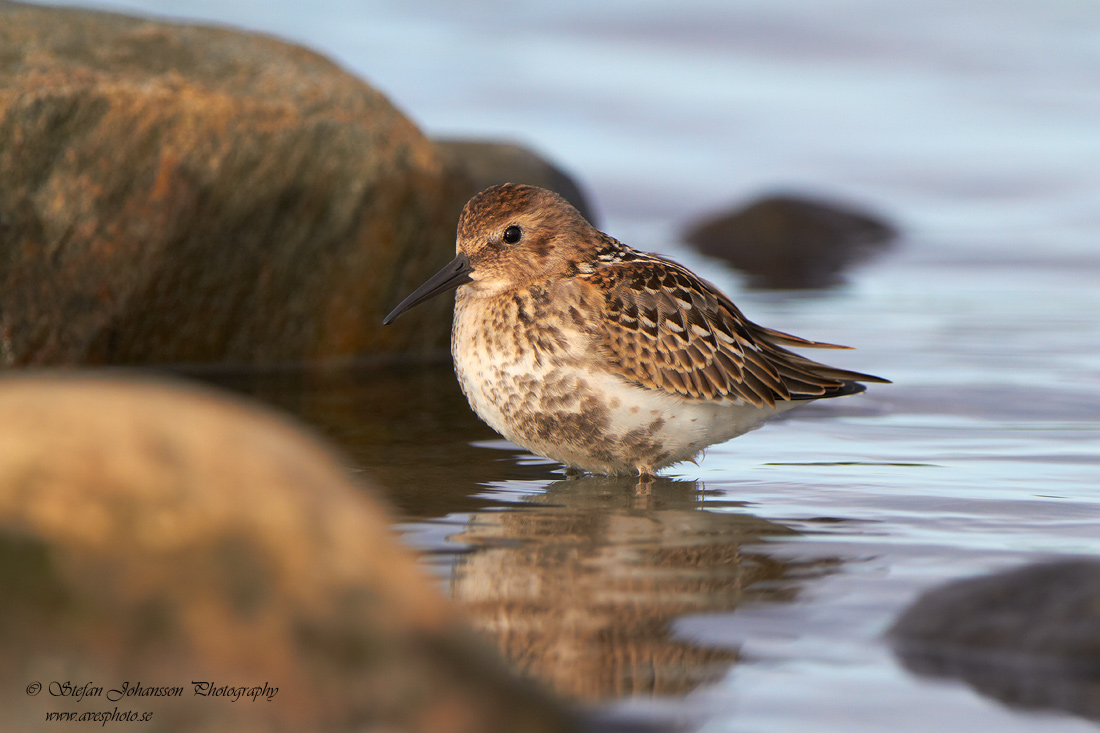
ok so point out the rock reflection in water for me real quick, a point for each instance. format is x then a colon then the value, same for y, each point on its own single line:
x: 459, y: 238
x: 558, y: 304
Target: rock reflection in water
x: 578, y: 589
x: 407, y: 427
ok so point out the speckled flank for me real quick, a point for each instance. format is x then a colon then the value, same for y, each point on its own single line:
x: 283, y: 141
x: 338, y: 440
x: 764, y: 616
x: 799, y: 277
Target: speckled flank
x: 581, y: 349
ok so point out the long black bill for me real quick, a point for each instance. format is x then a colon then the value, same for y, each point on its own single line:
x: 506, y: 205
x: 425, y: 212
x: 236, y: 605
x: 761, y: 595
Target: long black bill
x: 450, y: 277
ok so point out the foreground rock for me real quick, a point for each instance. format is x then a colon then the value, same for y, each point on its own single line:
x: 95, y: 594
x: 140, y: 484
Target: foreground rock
x: 1029, y: 637
x: 182, y: 194
x: 792, y: 242
x: 168, y: 537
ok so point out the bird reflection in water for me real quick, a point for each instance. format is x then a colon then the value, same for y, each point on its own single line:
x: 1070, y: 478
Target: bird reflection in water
x: 579, y: 587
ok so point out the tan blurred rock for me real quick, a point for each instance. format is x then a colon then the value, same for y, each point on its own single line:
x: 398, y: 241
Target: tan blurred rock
x: 162, y: 536
x: 174, y: 193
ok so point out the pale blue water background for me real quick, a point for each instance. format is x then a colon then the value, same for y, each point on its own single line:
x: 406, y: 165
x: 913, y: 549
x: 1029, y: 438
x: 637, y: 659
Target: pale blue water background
x: 975, y: 127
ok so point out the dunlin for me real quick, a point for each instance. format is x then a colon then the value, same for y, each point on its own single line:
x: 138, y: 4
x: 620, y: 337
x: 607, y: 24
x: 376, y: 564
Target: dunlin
x: 609, y: 360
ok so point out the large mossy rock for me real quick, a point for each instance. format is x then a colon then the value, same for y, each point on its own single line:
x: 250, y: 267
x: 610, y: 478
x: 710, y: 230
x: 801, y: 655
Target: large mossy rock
x: 174, y: 193
x: 168, y: 536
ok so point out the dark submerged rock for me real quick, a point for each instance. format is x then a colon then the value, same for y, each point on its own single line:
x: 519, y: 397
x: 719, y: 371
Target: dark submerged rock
x: 786, y: 241
x: 174, y: 193
x: 489, y: 163
x: 159, y: 534
x: 1029, y: 637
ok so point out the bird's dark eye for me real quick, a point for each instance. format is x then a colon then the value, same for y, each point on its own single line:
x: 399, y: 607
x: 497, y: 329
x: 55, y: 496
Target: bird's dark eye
x: 512, y: 234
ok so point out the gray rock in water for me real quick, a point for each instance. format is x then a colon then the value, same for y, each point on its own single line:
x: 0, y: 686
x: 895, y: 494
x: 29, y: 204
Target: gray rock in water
x: 787, y: 241
x: 489, y: 163
x: 1029, y: 637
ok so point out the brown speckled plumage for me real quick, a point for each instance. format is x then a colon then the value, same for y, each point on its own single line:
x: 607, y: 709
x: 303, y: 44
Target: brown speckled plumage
x: 665, y: 328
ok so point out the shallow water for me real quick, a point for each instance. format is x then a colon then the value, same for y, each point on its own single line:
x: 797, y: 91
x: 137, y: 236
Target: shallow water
x: 750, y: 591
x: 768, y: 572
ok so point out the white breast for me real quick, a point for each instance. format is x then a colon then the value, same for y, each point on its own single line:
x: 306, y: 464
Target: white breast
x: 541, y: 384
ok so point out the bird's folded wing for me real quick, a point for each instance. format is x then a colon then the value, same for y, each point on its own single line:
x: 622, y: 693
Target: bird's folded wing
x: 667, y: 329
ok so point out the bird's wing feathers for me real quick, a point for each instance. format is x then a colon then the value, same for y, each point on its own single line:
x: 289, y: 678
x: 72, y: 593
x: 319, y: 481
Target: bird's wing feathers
x: 667, y: 329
